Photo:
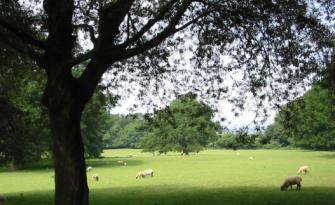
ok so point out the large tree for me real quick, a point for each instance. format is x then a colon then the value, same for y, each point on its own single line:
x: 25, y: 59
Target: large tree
x: 277, y: 41
x: 184, y: 126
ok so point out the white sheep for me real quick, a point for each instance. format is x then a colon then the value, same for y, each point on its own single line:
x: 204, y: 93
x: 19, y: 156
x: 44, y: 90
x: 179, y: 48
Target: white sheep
x: 149, y: 172
x: 95, y: 177
x: 140, y: 174
x: 143, y: 174
x: 251, y: 158
x: 295, y: 180
x: 88, y: 169
x: 122, y: 163
x: 303, y: 169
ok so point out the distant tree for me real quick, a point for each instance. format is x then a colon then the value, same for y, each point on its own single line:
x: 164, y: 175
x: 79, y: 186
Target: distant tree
x: 185, y: 126
x: 124, y: 131
x: 275, y: 134
x: 239, y: 139
x: 281, y: 41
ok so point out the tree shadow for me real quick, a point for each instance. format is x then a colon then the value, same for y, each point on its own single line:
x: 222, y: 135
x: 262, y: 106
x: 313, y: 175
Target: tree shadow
x: 328, y: 156
x: 183, y: 194
x: 112, y: 162
x: 47, y: 165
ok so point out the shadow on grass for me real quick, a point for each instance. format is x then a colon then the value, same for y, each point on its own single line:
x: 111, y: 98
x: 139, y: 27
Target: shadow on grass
x: 47, y: 165
x: 41, y: 165
x: 182, y: 195
x: 112, y: 162
x: 328, y: 156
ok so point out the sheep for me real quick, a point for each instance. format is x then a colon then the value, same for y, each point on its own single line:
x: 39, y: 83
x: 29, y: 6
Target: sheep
x: 88, y: 169
x: 122, y: 163
x: 140, y: 174
x: 149, y: 172
x: 251, y: 158
x: 143, y: 174
x: 95, y: 177
x: 303, y: 169
x: 291, y: 181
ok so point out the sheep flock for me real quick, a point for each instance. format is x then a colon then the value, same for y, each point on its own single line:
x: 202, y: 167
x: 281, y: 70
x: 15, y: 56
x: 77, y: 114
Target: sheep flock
x: 288, y: 182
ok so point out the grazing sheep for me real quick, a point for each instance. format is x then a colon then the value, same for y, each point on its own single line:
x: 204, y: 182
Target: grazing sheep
x: 303, y: 169
x: 95, y: 177
x: 251, y: 158
x: 88, y: 169
x: 149, y: 172
x: 295, y: 180
x: 140, y: 174
x: 143, y: 174
x: 122, y: 163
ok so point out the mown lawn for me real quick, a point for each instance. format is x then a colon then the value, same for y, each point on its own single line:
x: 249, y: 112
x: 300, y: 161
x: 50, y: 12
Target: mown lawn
x: 210, y: 177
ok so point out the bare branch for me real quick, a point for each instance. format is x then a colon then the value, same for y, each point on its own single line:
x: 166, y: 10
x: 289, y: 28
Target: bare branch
x: 23, y: 36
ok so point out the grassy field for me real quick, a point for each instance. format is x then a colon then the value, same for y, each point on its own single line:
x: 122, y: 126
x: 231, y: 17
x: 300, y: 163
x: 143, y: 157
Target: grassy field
x: 210, y: 177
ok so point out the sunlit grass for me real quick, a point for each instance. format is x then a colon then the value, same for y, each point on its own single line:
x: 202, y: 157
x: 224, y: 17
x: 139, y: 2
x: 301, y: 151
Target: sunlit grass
x: 210, y: 177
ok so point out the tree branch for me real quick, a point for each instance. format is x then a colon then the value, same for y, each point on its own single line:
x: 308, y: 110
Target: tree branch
x: 192, y: 21
x: 149, y: 24
x: 111, y: 17
x: 23, y: 36
x: 168, y: 31
x: 75, y: 61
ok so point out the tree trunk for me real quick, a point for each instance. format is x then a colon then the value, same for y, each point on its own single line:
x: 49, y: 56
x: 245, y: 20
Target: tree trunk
x: 68, y: 152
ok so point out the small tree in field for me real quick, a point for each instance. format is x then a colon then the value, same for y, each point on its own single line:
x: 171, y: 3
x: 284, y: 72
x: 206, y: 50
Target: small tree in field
x: 268, y: 41
x: 184, y: 126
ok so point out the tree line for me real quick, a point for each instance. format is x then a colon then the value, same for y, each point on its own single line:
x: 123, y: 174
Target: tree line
x: 185, y: 126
